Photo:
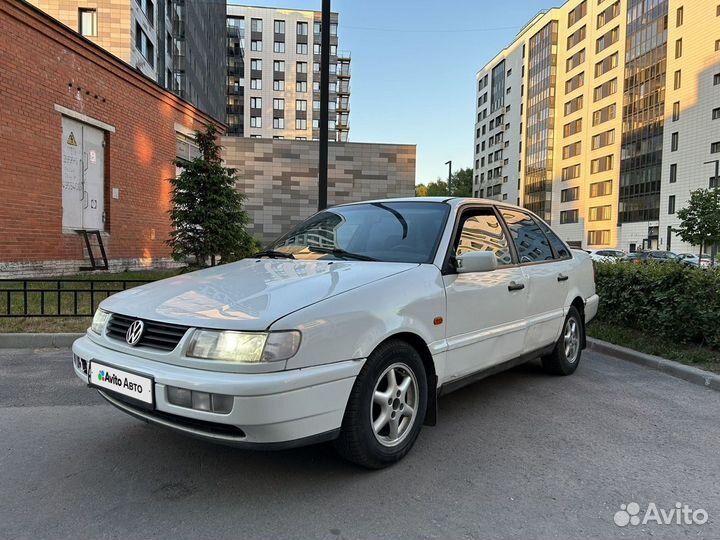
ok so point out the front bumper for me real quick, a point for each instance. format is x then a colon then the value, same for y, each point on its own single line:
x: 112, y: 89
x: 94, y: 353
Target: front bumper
x: 276, y: 409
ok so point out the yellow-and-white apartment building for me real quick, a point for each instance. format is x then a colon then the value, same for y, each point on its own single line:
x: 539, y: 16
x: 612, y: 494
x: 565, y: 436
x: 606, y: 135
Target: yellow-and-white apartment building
x: 601, y: 116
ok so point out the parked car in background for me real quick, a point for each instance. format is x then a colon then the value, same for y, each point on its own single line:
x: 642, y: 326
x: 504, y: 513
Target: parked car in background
x: 347, y: 328
x: 607, y: 255
x: 703, y: 261
x: 656, y: 256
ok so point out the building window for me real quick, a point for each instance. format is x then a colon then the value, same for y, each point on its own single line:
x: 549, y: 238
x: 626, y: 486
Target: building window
x: 571, y: 150
x: 144, y: 45
x: 577, y: 13
x: 572, y: 127
x: 279, y: 46
x: 573, y: 105
x: 301, y: 48
x: 279, y: 123
x: 278, y: 85
x: 606, y: 65
x: 605, y: 114
x: 673, y: 173
x: 301, y: 67
x: 677, y: 80
x: 333, y: 29
x: 603, y: 42
x: 256, y: 45
x: 279, y: 66
x: 676, y: 111
x: 301, y: 105
x: 604, y: 90
x: 301, y: 86
x: 679, y: 16
x: 255, y: 64
x: 279, y: 104
x: 573, y: 171
x: 605, y: 138
x: 256, y: 25
x: 599, y: 213
x: 600, y: 189
x: 279, y: 27
x: 256, y: 121
x: 570, y: 194
x: 317, y: 28
x: 302, y: 29
x: 255, y: 103
x: 575, y: 82
x: 256, y: 84
x: 602, y: 164
x: 716, y: 113
x: 678, y: 48
x: 300, y: 123
x: 569, y: 216
x: 576, y: 37
x: 608, y: 14
x: 599, y: 238
x: 715, y: 148
x: 717, y: 44
x: 671, y: 204
x: 316, y: 48
x: 716, y: 79
x: 87, y: 22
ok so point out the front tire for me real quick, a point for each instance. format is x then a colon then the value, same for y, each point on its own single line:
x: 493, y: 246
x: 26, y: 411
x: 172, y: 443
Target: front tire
x: 565, y: 357
x: 386, y: 408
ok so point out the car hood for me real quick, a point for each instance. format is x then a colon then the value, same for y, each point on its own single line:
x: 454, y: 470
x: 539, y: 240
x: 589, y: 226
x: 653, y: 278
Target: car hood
x: 247, y: 295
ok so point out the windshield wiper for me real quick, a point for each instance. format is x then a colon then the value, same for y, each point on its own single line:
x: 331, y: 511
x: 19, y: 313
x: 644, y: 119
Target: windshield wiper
x: 275, y: 254
x: 340, y: 253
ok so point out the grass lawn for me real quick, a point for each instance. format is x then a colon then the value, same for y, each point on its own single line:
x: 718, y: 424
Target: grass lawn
x: 67, y: 300
x: 685, y: 353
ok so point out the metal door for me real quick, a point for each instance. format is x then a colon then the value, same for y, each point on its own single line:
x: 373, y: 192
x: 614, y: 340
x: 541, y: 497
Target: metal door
x: 83, y: 180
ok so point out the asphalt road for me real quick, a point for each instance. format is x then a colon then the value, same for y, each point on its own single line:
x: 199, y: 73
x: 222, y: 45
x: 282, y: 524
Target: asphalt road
x: 518, y: 455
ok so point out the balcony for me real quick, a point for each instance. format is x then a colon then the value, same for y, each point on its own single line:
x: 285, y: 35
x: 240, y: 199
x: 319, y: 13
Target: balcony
x: 343, y: 55
x: 343, y: 71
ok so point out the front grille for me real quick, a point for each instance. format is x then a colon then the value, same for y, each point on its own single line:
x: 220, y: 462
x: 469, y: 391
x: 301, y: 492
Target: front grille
x: 157, y: 335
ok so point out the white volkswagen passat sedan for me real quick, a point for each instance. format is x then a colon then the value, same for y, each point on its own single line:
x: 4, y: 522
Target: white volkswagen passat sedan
x: 348, y: 328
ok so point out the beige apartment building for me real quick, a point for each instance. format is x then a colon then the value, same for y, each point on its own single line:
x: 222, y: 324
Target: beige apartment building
x: 602, y: 116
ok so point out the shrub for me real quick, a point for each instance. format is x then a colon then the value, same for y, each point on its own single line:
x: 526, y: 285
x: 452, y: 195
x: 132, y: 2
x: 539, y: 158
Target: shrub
x: 669, y: 300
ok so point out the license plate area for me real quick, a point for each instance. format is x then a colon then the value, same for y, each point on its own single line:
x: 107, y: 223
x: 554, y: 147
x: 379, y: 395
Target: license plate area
x: 135, y: 387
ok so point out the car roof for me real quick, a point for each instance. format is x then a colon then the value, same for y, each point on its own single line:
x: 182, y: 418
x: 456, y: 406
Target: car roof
x: 452, y: 201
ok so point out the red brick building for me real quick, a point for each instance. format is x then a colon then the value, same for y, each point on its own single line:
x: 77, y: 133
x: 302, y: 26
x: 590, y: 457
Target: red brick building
x: 86, y: 143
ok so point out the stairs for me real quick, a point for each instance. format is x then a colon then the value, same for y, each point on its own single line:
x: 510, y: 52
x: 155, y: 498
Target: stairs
x: 95, y: 250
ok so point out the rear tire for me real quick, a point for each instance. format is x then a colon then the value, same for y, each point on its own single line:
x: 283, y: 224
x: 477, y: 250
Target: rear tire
x: 386, y: 408
x: 565, y: 357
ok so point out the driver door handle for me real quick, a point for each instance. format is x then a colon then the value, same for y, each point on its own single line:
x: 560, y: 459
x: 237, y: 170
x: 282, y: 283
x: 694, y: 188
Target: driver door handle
x: 562, y: 277
x: 514, y: 286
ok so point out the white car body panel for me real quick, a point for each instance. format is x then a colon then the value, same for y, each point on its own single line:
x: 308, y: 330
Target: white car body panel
x: 344, y: 309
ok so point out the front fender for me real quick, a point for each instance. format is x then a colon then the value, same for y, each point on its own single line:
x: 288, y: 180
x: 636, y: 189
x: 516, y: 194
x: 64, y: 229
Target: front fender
x: 352, y: 324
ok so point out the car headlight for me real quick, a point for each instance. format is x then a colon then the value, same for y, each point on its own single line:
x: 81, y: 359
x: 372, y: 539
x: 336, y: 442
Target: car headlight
x: 99, y: 321
x: 243, y: 347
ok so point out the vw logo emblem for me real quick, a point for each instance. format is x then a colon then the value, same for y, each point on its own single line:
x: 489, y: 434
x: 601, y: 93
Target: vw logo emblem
x: 135, y: 332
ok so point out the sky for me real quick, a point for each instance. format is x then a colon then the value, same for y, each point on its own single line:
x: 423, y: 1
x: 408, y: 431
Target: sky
x: 413, y: 69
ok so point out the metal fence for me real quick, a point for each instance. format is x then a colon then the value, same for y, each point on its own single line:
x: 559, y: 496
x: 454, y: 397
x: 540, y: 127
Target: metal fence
x: 58, y: 297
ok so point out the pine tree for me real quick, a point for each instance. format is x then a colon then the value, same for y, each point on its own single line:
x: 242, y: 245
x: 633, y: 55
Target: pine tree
x: 207, y: 211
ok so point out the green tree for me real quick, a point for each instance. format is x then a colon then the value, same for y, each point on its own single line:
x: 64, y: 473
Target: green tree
x: 700, y: 219
x: 207, y: 211
x: 462, y: 182
x: 421, y: 190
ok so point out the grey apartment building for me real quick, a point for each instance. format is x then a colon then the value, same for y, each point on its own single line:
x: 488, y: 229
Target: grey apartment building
x: 602, y: 116
x: 273, y: 75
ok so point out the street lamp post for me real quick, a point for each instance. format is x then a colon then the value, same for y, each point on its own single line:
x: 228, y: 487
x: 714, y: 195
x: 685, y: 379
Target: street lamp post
x: 324, y: 97
x: 449, y: 164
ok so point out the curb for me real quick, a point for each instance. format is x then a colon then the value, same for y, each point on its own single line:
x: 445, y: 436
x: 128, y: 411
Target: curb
x: 37, y: 341
x: 675, y: 369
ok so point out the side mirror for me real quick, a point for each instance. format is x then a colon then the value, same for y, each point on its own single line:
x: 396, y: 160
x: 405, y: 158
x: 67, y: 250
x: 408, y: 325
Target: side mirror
x: 476, y: 261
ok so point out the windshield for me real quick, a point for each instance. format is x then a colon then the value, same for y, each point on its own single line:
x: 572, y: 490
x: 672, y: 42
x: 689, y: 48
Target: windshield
x: 382, y: 231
